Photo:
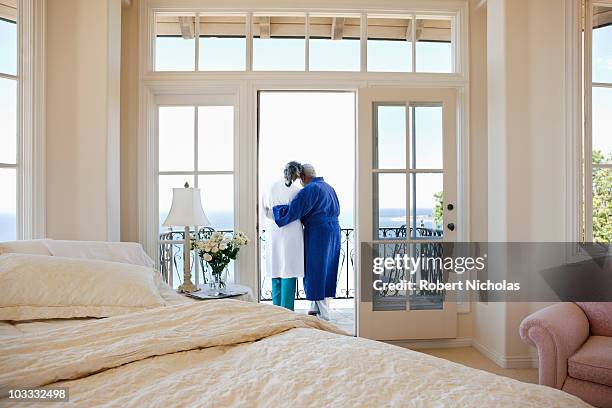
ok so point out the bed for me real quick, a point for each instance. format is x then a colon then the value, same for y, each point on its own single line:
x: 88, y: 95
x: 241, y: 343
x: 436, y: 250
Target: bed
x: 233, y: 353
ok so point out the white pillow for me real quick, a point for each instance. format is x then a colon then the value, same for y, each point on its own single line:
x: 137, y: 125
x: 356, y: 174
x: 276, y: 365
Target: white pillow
x: 49, y: 287
x: 126, y: 252
x: 34, y: 246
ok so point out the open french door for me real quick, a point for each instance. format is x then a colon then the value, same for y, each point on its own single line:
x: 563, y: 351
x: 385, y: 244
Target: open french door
x: 406, y: 206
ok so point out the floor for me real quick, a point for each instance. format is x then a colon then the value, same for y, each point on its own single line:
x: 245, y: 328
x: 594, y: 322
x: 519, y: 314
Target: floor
x: 342, y: 312
x: 471, y: 357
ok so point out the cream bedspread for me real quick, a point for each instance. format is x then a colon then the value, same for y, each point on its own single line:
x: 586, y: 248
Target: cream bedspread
x: 231, y: 353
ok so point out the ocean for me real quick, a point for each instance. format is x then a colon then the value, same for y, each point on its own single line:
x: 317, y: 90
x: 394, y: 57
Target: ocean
x: 388, y: 218
x: 8, y: 227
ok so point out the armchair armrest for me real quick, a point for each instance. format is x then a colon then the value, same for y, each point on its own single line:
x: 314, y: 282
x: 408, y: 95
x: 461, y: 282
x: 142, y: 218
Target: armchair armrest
x: 557, y: 331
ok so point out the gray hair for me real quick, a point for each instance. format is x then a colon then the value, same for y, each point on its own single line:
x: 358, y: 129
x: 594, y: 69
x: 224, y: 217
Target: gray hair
x: 308, y: 170
x: 292, y: 169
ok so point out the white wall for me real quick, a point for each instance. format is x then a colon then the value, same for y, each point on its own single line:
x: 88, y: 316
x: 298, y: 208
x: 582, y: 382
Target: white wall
x: 82, y: 111
x: 129, y: 122
x: 527, y: 197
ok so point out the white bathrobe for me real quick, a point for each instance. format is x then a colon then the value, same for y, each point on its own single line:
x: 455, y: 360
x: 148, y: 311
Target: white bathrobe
x: 284, y: 246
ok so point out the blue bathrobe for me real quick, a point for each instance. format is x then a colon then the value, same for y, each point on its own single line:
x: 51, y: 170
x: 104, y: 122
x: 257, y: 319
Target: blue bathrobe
x: 317, y: 206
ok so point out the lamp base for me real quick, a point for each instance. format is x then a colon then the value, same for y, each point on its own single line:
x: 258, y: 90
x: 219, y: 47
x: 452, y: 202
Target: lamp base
x: 187, y: 287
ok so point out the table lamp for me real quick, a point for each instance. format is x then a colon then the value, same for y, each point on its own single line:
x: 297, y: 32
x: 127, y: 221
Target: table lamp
x: 186, y: 210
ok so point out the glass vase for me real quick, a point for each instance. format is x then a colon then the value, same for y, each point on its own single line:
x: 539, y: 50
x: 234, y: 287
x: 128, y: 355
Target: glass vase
x: 217, y: 280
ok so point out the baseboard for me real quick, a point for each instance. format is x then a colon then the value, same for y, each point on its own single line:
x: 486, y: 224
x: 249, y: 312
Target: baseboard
x: 506, y: 361
x: 499, y: 359
x: 433, y: 343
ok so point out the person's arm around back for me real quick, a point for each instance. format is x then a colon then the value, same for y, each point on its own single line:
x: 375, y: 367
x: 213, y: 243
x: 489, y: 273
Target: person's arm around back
x: 299, y: 206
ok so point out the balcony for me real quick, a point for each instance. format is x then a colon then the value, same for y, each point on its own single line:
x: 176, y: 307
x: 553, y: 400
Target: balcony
x: 171, y: 261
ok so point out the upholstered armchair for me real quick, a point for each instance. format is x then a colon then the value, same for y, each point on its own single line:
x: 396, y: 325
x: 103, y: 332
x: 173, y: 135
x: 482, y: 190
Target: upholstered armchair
x: 574, y: 343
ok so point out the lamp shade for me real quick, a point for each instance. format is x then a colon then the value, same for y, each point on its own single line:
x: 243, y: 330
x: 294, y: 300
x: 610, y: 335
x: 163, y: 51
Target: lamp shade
x: 186, y: 209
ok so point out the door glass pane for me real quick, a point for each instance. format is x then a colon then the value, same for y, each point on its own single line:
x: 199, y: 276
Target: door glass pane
x: 279, y: 43
x: 602, y: 125
x: 389, y: 44
x: 431, y: 271
x: 8, y: 204
x: 175, y: 43
x: 434, y: 51
x: 218, y: 200
x: 8, y: 121
x: 176, y: 138
x: 222, y: 43
x: 391, y: 137
x: 426, y: 209
x: 602, y: 44
x: 8, y: 46
x: 334, y: 43
x: 389, y: 206
x: 427, y: 137
x: 165, y: 186
x: 215, y: 138
x: 387, y: 300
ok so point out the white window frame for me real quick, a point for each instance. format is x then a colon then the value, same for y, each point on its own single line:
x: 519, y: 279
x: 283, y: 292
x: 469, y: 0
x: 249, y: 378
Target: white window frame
x: 30, y: 164
x: 587, y: 147
x: 245, y: 85
x: 195, y: 101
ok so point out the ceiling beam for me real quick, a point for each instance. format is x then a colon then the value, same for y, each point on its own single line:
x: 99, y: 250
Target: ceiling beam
x: 419, y: 29
x: 186, y: 28
x: 264, y: 27
x: 409, y: 31
x: 337, y: 28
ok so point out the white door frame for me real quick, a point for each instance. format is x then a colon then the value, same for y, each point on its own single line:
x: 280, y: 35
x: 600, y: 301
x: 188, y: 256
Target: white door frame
x: 382, y: 325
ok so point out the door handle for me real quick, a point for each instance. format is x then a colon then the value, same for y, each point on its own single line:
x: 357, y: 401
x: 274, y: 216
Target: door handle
x: 451, y: 226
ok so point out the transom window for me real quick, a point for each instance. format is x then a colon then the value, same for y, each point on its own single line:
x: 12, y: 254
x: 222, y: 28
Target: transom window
x: 9, y: 136
x: 304, y: 42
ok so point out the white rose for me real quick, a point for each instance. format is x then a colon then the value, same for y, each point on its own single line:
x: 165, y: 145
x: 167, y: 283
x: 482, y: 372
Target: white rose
x: 222, y: 246
x: 207, y: 257
x: 214, y: 250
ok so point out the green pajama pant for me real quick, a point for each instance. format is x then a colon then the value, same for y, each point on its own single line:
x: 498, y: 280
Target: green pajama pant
x: 283, y: 292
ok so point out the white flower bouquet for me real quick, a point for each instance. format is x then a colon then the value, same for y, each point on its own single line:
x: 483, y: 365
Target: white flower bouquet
x: 218, y: 251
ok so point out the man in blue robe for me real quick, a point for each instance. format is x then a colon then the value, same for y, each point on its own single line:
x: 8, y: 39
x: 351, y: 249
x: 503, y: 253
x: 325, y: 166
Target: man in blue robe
x: 317, y: 206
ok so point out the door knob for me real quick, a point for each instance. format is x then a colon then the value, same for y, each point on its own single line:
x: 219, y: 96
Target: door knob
x: 451, y: 226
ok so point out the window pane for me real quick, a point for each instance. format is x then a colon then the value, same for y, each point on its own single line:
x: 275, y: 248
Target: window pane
x: 215, y: 138
x: 8, y: 121
x: 602, y: 205
x: 391, y: 137
x: 222, y: 43
x: 218, y: 199
x: 389, y: 206
x: 389, y: 45
x: 175, y: 43
x: 334, y: 44
x: 426, y: 207
x: 8, y: 205
x: 602, y: 125
x: 165, y: 186
x: 602, y: 44
x: 176, y: 138
x: 8, y: 47
x: 434, y: 52
x: 279, y: 43
x: 427, y: 138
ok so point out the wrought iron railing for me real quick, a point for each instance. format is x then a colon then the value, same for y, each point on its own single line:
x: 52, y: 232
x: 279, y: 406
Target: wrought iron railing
x: 171, y: 259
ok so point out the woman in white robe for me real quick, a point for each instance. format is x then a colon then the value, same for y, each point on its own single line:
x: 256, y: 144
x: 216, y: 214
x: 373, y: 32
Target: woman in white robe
x: 284, y: 246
